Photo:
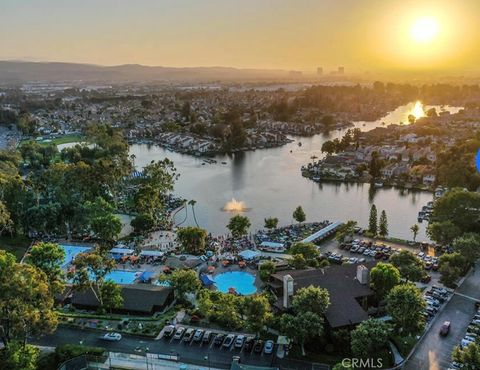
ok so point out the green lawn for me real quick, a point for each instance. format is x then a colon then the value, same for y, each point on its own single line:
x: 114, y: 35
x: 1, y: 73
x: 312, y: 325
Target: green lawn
x: 61, y: 140
x: 404, y: 343
x: 17, y: 245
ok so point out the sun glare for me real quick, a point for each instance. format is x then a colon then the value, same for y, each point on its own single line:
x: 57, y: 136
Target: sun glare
x: 425, y: 29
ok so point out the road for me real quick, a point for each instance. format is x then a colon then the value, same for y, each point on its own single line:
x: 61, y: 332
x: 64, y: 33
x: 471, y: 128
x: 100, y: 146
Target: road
x: 189, y: 353
x: 434, y: 351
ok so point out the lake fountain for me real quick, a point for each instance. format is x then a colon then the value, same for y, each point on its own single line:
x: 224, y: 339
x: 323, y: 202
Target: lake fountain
x: 234, y: 205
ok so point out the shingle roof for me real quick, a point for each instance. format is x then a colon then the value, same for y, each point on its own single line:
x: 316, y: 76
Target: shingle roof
x: 343, y: 287
x: 136, y: 297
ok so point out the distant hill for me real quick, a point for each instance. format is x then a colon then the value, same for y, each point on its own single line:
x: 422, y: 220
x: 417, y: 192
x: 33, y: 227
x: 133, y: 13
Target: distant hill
x: 18, y: 71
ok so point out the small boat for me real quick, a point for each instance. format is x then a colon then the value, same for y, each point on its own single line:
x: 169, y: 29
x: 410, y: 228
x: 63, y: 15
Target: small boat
x: 378, y: 184
x: 316, y: 178
x: 224, y: 162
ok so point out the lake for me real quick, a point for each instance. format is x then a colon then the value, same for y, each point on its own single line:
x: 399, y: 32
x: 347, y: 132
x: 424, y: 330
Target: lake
x: 270, y: 184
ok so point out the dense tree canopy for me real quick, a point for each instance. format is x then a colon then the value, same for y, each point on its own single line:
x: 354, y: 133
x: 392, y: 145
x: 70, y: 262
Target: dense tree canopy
x: 405, y: 305
x: 26, y: 301
x: 383, y: 278
x: 192, y: 239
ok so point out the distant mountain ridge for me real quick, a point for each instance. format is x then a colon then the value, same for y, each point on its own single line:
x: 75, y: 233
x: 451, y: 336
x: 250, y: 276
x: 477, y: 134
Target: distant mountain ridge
x: 20, y: 71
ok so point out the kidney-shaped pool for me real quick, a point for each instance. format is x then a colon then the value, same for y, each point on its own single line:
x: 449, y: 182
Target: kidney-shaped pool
x: 242, y: 282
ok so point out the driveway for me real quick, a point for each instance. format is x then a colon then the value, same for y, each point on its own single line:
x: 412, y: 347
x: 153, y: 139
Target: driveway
x: 434, y: 352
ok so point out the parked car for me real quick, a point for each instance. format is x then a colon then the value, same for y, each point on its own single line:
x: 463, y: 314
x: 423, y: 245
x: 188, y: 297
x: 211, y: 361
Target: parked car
x: 207, y: 336
x: 249, y: 342
x: 228, y: 340
x: 445, y: 329
x: 112, y: 337
x: 168, y: 331
x: 239, y: 341
x: 219, y: 339
x: 197, y: 337
x: 179, y: 333
x: 268, y: 349
x: 257, y: 348
x: 188, y: 335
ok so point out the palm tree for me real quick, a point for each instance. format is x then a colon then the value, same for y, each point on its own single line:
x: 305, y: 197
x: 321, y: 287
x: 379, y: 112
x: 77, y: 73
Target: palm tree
x: 415, y: 230
x: 192, y: 203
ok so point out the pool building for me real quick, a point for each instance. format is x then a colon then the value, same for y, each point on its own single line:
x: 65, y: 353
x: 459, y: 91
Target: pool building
x: 138, y: 299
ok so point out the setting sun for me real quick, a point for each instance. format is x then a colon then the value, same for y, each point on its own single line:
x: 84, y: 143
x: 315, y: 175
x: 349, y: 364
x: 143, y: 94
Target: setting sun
x: 425, y: 29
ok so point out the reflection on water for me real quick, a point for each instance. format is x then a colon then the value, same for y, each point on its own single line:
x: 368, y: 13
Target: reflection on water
x: 270, y: 183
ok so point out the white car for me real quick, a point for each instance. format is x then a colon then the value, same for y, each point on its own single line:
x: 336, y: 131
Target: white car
x: 268, y: 349
x: 239, y: 341
x: 112, y: 337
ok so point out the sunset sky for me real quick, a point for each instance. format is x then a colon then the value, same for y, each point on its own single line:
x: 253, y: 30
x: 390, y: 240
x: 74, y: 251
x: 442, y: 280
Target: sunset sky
x: 289, y: 34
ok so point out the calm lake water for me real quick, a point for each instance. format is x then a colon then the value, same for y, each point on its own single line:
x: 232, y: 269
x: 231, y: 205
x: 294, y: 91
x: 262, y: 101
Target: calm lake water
x: 270, y: 184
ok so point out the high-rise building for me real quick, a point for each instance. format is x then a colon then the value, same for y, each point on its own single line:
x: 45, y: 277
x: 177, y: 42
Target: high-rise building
x: 341, y: 70
x: 319, y: 71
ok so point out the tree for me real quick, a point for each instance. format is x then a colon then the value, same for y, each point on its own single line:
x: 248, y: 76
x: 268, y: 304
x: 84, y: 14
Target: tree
x: 461, y: 208
x: 271, y: 223
x: 89, y: 272
x: 383, y: 224
x: 238, y: 225
x: 372, y: 221
x: 48, y: 257
x: 308, y: 250
x: 346, y: 230
x: 370, y: 337
x: 341, y: 366
x: 443, y: 232
x: 410, y: 267
x: 468, y: 246
x: 299, y: 215
x: 104, y: 224
x: 257, y: 312
x: 468, y: 357
x: 112, y: 295
x: 375, y: 165
x: 267, y: 269
x: 301, y: 327
x: 383, y: 278
x: 192, y: 239
x: 298, y: 261
x: 312, y: 299
x: 192, y: 203
x: 18, y: 356
x: 6, y: 223
x: 415, y: 229
x: 26, y: 301
x: 451, y: 267
x: 183, y: 281
x: 405, y: 305
x: 143, y: 223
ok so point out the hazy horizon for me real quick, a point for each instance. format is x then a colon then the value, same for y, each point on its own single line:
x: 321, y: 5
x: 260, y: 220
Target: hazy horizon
x: 373, y: 35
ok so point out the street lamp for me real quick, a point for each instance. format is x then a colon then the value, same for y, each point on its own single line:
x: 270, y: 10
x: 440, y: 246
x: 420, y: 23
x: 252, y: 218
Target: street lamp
x: 146, y: 355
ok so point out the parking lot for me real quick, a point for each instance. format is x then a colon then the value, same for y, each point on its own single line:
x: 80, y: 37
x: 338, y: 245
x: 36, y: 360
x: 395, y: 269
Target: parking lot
x: 218, y: 345
x: 434, y: 351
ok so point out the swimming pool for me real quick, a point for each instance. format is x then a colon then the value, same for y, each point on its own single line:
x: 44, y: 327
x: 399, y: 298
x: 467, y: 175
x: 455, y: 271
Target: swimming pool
x: 71, y: 251
x: 123, y: 277
x: 242, y: 282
